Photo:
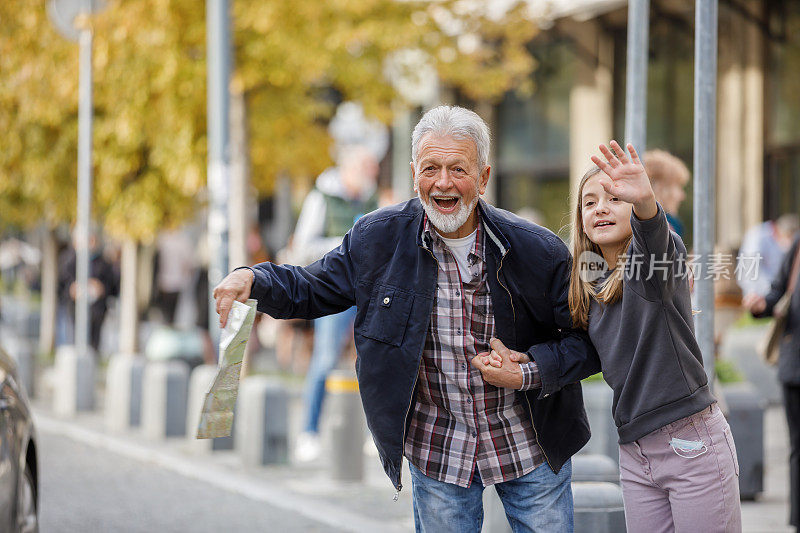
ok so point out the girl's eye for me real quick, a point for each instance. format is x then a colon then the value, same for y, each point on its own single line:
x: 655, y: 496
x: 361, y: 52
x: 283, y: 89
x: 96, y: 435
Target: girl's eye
x: 615, y: 199
x: 588, y: 204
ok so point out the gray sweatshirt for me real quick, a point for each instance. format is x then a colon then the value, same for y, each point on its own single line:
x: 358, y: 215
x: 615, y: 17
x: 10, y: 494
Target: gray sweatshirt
x: 646, y: 341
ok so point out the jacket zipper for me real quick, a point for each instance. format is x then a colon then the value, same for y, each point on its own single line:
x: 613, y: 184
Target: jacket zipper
x: 399, y: 486
x: 530, y: 409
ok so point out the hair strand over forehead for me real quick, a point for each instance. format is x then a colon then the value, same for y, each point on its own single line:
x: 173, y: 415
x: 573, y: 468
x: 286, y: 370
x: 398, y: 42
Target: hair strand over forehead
x: 457, y: 122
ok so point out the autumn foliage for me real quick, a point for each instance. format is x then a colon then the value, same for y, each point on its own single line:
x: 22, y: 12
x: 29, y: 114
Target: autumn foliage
x: 293, y: 61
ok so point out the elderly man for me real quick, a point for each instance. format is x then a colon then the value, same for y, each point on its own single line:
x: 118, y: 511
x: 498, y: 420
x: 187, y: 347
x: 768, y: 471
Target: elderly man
x: 437, y: 281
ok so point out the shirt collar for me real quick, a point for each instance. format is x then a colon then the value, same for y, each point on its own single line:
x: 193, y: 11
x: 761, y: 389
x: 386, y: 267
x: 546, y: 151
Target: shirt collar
x: 430, y: 236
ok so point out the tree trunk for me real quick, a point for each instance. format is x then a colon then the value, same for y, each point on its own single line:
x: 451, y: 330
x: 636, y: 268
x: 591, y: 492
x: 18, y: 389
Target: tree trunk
x: 47, y: 324
x: 129, y: 309
x: 238, y: 208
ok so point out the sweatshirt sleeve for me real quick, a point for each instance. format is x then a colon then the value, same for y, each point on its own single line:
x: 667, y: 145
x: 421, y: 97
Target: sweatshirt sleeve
x: 656, y: 258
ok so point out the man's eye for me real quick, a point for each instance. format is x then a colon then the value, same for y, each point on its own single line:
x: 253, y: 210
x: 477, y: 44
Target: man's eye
x: 615, y: 199
x: 429, y: 169
x: 459, y: 169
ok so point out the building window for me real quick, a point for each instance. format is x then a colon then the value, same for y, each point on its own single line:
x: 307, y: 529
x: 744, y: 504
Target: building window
x: 782, y: 136
x: 532, y: 160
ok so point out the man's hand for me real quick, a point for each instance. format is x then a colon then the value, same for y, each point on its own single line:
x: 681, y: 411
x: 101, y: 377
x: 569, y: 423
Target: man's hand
x: 235, y: 286
x: 507, y: 373
x: 755, y: 303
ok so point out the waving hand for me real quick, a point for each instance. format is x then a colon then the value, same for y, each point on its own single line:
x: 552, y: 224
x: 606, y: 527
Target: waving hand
x: 626, y: 179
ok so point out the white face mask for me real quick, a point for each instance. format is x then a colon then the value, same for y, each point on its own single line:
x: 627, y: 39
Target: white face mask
x: 688, y: 449
x: 448, y: 223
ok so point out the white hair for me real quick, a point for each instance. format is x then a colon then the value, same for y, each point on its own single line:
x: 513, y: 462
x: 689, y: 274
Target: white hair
x: 456, y: 122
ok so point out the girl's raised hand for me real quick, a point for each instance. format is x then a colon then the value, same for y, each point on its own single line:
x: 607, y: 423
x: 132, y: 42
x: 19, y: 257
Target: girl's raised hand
x: 626, y: 179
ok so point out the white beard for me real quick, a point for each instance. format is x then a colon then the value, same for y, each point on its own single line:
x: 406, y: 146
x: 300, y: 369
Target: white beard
x: 448, y: 223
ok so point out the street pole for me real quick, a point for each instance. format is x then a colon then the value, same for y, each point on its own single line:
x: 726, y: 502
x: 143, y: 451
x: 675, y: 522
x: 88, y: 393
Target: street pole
x: 84, y: 190
x: 219, y: 54
x: 636, y: 76
x: 705, y: 149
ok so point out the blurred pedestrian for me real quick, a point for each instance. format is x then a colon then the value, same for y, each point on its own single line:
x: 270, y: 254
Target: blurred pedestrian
x: 341, y: 195
x: 786, y: 282
x: 175, y: 270
x: 764, y: 247
x: 437, y: 281
x: 668, y: 177
x: 103, y: 283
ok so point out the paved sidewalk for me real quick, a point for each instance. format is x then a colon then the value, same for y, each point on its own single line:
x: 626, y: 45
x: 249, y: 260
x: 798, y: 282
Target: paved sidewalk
x: 770, y: 511
x: 367, y: 506
x: 305, y: 489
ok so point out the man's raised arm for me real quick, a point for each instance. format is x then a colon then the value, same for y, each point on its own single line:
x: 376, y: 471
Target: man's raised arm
x: 322, y: 288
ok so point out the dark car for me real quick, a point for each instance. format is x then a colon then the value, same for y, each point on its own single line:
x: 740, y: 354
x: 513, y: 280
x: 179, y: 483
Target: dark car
x: 19, y: 482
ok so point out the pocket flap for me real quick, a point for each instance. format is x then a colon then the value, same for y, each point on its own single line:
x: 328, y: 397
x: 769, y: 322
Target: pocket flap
x: 387, y: 315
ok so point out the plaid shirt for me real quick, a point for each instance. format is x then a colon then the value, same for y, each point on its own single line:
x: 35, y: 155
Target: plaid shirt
x: 460, y: 421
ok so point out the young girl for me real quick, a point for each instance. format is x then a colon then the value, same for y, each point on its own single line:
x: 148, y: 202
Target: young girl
x: 678, y: 466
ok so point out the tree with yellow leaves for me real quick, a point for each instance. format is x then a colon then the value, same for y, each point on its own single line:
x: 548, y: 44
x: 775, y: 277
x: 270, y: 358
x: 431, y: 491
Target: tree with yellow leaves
x: 293, y: 62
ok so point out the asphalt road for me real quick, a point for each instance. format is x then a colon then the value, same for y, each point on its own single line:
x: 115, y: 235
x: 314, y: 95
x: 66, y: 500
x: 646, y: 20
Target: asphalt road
x: 87, y: 489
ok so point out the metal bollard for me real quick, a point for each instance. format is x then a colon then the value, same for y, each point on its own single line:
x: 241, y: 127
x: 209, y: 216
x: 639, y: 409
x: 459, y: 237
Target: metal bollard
x: 345, y: 432
x: 261, y: 433
x: 164, y: 389
x: 199, y: 382
x: 746, y: 418
x: 123, y: 401
x: 598, y: 507
x: 741, y: 347
x: 594, y: 467
x: 21, y: 351
x: 597, y: 398
x: 74, y: 381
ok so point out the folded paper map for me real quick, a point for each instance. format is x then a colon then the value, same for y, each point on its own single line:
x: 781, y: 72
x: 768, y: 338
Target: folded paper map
x: 216, y: 419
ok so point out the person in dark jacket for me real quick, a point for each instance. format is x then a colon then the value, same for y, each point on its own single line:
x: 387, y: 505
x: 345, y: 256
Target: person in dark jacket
x: 103, y: 284
x: 436, y: 281
x: 788, y: 363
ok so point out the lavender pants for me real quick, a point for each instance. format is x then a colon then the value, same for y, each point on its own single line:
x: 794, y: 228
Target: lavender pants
x: 687, y: 485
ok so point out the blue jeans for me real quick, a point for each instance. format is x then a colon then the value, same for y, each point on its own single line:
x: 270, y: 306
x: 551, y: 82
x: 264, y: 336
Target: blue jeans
x: 539, y: 501
x: 330, y: 334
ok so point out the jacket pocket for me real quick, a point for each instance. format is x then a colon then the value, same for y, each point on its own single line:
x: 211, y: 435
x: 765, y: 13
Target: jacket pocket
x: 387, y: 315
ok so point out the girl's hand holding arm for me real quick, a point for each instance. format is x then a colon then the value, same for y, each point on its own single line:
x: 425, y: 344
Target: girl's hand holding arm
x: 626, y: 179
x: 499, y: 350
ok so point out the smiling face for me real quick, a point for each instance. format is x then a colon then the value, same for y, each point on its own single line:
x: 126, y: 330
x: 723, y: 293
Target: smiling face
x: 606, y: 219
x: 448, y: 182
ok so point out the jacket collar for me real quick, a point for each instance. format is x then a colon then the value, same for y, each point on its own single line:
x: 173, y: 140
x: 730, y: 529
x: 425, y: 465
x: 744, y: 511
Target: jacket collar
x: 495, y: 240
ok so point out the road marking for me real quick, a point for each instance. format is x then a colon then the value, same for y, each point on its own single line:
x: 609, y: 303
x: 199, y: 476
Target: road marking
x: 315, y: 509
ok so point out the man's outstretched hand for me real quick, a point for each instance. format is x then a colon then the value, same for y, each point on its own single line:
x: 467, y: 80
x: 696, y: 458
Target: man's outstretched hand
x: 500, y: 367
x: 236, y: 286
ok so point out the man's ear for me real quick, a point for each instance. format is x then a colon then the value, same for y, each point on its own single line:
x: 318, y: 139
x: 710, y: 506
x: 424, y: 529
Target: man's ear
x: 414, y: 177
x: 483, y: 179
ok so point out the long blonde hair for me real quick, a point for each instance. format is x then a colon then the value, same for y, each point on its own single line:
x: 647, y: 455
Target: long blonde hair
x: 582, y: 291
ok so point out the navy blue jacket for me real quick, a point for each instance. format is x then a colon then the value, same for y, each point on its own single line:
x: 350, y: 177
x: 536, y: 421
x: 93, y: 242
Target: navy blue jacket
x: 387, y: 270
